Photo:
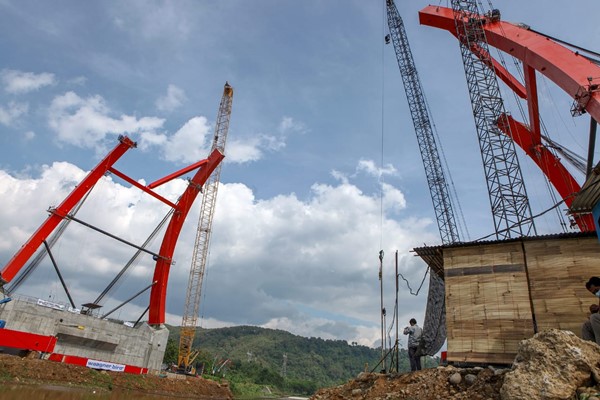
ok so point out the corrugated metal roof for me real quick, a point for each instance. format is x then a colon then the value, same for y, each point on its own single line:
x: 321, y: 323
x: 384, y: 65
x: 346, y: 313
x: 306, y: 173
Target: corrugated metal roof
x: 434, y: 255
x: 589, y: 195
x: 434, y: 258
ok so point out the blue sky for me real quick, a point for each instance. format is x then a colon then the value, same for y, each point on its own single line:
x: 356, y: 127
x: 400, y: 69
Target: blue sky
x: 322, y: 167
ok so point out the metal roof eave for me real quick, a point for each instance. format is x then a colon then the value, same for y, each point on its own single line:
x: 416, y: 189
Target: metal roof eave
x: 434, y: 255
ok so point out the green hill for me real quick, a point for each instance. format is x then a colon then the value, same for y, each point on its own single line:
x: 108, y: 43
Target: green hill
x: 256, y: 357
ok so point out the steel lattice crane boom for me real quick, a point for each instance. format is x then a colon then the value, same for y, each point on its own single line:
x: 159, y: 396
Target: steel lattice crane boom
x: 419, y: 112
x: 434, y: 324
x: 198, y: 265
x: 508, y: 197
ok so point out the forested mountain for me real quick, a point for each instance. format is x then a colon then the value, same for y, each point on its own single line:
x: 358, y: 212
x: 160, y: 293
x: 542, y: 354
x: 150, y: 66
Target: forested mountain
x: 257, y: 355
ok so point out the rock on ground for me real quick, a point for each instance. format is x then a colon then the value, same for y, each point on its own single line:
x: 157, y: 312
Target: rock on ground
x: 439, y: 383
x: 551, y: 366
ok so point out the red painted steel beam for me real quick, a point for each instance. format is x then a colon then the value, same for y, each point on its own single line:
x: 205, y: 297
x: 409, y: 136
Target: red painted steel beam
x: 158, y: 293
x: 83, y: 362
x: 506, y: 77
x: 577, y: 76
x: 27, y: 341
x: 569, y: 70
x: 34, y: 242
x: 141, y: 187
x: 532, y: 103
x: 551, y: 166
x: 177, y: 174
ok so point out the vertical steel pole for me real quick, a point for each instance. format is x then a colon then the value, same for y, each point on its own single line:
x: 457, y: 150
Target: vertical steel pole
x: 591, y: 147
x: 382, y: 309
x: 397, y: 341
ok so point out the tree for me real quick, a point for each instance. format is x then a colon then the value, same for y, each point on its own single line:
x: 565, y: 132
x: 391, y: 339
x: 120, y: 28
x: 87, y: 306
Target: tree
x: 171, y: 352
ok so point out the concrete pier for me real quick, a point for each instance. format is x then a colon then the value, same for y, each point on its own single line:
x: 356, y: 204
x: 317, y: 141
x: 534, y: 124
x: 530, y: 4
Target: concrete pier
x: 86, y: 335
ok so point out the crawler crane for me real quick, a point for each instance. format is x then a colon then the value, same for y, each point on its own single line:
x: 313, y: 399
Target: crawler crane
x: 419, y: 112
x: 435, y: 315
x: 506, y: 188
x: 189, y: 322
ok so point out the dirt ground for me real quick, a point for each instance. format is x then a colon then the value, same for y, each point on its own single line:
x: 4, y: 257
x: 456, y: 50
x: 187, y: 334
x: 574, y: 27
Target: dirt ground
x: 26, y: 371
x: 429, y: 384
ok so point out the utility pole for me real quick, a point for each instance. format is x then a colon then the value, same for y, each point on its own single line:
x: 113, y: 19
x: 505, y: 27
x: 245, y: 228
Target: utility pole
x: 284, y: 367
x: 382, y: 310
x: 397, y: 339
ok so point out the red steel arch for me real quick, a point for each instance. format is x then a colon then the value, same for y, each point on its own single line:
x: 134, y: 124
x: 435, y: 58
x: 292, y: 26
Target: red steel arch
x: 573, y: 73
x: 57, y: 214
x: 165, y: 256
x: 158, y: 293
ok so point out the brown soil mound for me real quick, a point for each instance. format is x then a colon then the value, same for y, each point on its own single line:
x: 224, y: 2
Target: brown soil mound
x: 428, y: 384
x: 19, y: 370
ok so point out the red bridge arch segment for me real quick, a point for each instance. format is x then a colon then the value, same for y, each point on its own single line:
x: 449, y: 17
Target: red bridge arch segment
x: 203, y: 168
x: 573, y: 73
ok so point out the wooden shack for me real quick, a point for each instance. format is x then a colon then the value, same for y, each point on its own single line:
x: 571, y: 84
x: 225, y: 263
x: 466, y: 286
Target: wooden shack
x: 501, y: 292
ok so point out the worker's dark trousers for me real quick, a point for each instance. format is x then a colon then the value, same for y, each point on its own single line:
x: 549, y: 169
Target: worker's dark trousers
x: 591, y: 329
x: 415, y: 360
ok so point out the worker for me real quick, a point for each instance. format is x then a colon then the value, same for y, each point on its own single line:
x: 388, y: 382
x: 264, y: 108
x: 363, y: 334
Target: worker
x: 591, y: 328
x: 414, y: 333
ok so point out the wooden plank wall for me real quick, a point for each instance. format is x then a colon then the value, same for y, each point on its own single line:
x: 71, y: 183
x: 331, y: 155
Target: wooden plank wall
x: 558, y: 271
x: 488, y: 309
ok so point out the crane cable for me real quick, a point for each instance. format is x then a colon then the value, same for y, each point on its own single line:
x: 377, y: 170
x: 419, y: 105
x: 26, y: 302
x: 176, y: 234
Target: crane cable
x: 383, y: 16
x: 41, y: 254
x: 594, y: 60
x: 384, y: 24
x: 462, y: 223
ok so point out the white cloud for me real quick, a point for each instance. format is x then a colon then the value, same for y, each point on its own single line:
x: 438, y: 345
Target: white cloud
x: 29, y: 135
x: 14, y: 110
x: 369, y: 167
x: 19, y: 82
x: 270, y: 143
x: 321, y: 252
x: 325, y: 329
x: 288, y: 125
x: 193, y: 140
x: 253, y: 147
x: 340, y: 176
x: 393, y: 199
x: 244, y: 151
x: 87, y: 122
x: 307, y: 266
x: 151, y: 139
x: 189, y: 144
x: 172, y: 100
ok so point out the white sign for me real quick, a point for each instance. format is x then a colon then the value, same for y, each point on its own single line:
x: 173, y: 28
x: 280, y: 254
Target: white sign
x: 105, y: 365
x: 50, y: 304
